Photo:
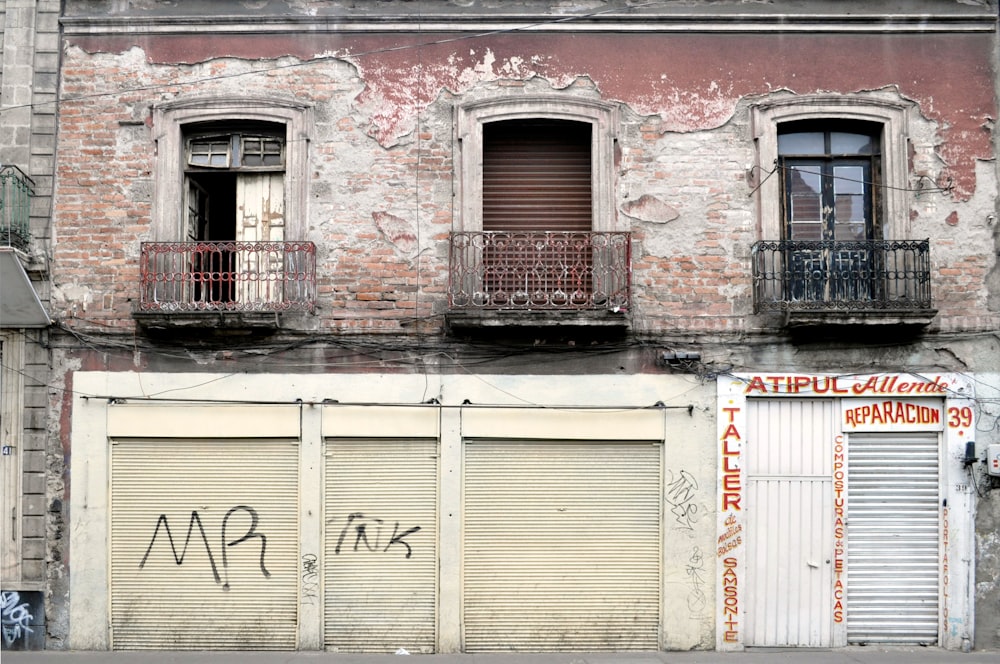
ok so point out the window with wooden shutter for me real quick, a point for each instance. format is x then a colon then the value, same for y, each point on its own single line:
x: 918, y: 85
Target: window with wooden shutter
x: 536, y: 176
x: 537, y: 203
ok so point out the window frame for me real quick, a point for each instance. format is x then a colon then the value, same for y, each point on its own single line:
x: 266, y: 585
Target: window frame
x: 470, y: 118
x: 173, y: 123
x: 825, y: 163
x: 236, y: 141
x: 766, y: 120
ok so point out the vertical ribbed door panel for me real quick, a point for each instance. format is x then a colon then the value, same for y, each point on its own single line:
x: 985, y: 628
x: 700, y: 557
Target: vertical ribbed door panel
x: 790, y: 516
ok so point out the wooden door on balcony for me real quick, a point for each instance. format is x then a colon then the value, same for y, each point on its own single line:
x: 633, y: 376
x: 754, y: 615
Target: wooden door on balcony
x: 537, y: 201
x: 260, y: 218
x: 829, y: 180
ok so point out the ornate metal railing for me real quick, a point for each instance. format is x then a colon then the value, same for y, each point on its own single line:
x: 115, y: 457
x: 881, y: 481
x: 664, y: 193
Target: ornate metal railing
x: 227, y: 276
x: 546, y: 270
x: 16, y: 191
x: 874, y: 275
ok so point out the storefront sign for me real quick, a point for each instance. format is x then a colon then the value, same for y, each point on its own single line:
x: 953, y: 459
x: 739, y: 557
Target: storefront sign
x: 892, y: 415
x: 845, y: 386
x: 889, y: 403
x: 729, y: 551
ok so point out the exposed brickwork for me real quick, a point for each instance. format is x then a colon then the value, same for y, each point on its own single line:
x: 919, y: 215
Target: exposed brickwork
x: 691, y: 268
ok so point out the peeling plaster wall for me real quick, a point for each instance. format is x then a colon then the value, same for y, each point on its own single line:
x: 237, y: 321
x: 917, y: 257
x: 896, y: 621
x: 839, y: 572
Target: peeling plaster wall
x: 691, y: 82
x: 987, y: 579
x: 381, y: 193
x: 681, y: 177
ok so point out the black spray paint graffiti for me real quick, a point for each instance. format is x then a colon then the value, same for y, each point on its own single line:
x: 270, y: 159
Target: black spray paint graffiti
x: 251, y: 533
x: 310, y: 578
x: 16, y: 618
x: 696, y: 599
x: 363, y: 527
x: 680, y: 494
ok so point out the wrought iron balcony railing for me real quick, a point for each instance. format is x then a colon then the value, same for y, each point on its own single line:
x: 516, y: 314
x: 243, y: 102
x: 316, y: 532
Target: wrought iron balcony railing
x: 15, y: 208
x: 227, y: 276
x: 846, y: 276
x: 540, y: 270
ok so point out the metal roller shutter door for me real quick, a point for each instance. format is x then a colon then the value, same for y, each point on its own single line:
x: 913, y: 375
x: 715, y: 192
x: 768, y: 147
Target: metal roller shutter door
x: 204, y: 544
x: 562, y: 546
x: 381, y: 546
x: 893, y: 507
x: 537, y: 176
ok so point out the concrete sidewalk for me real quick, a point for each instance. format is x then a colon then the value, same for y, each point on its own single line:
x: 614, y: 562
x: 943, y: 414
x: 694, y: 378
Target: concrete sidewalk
x: 852, y: 655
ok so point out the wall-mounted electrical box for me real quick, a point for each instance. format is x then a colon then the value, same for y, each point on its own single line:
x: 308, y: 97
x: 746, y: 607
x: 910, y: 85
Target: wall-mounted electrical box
x: 993, y: 460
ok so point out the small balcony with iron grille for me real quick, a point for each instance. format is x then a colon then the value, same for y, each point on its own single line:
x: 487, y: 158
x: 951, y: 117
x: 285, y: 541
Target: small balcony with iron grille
x: 16, y: 190
x: 539, y: 278
x: 224, y: 284
x: 843, y: 283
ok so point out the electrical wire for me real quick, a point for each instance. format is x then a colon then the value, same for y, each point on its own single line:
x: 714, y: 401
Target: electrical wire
x: 871, y: 183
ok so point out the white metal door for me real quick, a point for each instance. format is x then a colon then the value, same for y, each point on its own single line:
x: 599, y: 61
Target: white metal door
x: 790, y: 516
x: 204, y: 544
x: 893, y: 509
x: 381, y: 545
x: 562, y: 546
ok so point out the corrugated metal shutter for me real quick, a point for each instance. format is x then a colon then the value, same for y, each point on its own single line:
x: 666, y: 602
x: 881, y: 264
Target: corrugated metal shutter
x: 789, y: 507
x: 537, y: 176
x: 381, y: 545
x: 204, y: 544
x: 893, y: 507
x: 562, y: 546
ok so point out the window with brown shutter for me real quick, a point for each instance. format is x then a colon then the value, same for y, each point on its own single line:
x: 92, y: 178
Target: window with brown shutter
x: 537, y: 209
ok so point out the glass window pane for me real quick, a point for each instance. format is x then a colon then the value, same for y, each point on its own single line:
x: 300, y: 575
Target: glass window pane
x: 844, y: 143
x: 262, y: 151
x: 804, y: 188
x: 849, y: 194
x: 209, y: 152
x: 801, y: 143
x: 806, y: 231
x: 849, y: 231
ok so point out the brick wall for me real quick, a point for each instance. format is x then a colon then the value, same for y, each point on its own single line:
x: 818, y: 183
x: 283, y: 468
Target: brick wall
x: 380, y: 206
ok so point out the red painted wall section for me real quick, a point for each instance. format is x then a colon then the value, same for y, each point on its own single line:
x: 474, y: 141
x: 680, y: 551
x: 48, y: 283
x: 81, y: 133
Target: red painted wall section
x: 693, y: 82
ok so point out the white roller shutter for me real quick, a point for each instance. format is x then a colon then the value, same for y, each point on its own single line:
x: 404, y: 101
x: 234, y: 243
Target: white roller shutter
x: 893, y: 538
x: 204, y: 544
x: 381, y: 546
x: 562, y: 546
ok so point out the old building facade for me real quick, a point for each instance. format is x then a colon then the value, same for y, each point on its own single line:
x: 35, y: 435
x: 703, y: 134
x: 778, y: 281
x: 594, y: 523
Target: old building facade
x: 29, y: 51
x: 476, y: 326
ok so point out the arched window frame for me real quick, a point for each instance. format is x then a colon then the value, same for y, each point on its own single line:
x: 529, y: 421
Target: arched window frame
x: 170, y: 120
x: 766, y: 120
x: 602, y: 116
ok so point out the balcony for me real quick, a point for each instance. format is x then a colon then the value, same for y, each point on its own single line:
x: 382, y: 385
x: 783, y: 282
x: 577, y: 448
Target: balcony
x: 16, y: 190
x: 844, y: 282
x: 539, y: 278
x: 225, y: 284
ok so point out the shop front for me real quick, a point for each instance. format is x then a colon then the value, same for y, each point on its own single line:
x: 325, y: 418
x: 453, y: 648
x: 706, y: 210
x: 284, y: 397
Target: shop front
x: 845, y: 510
